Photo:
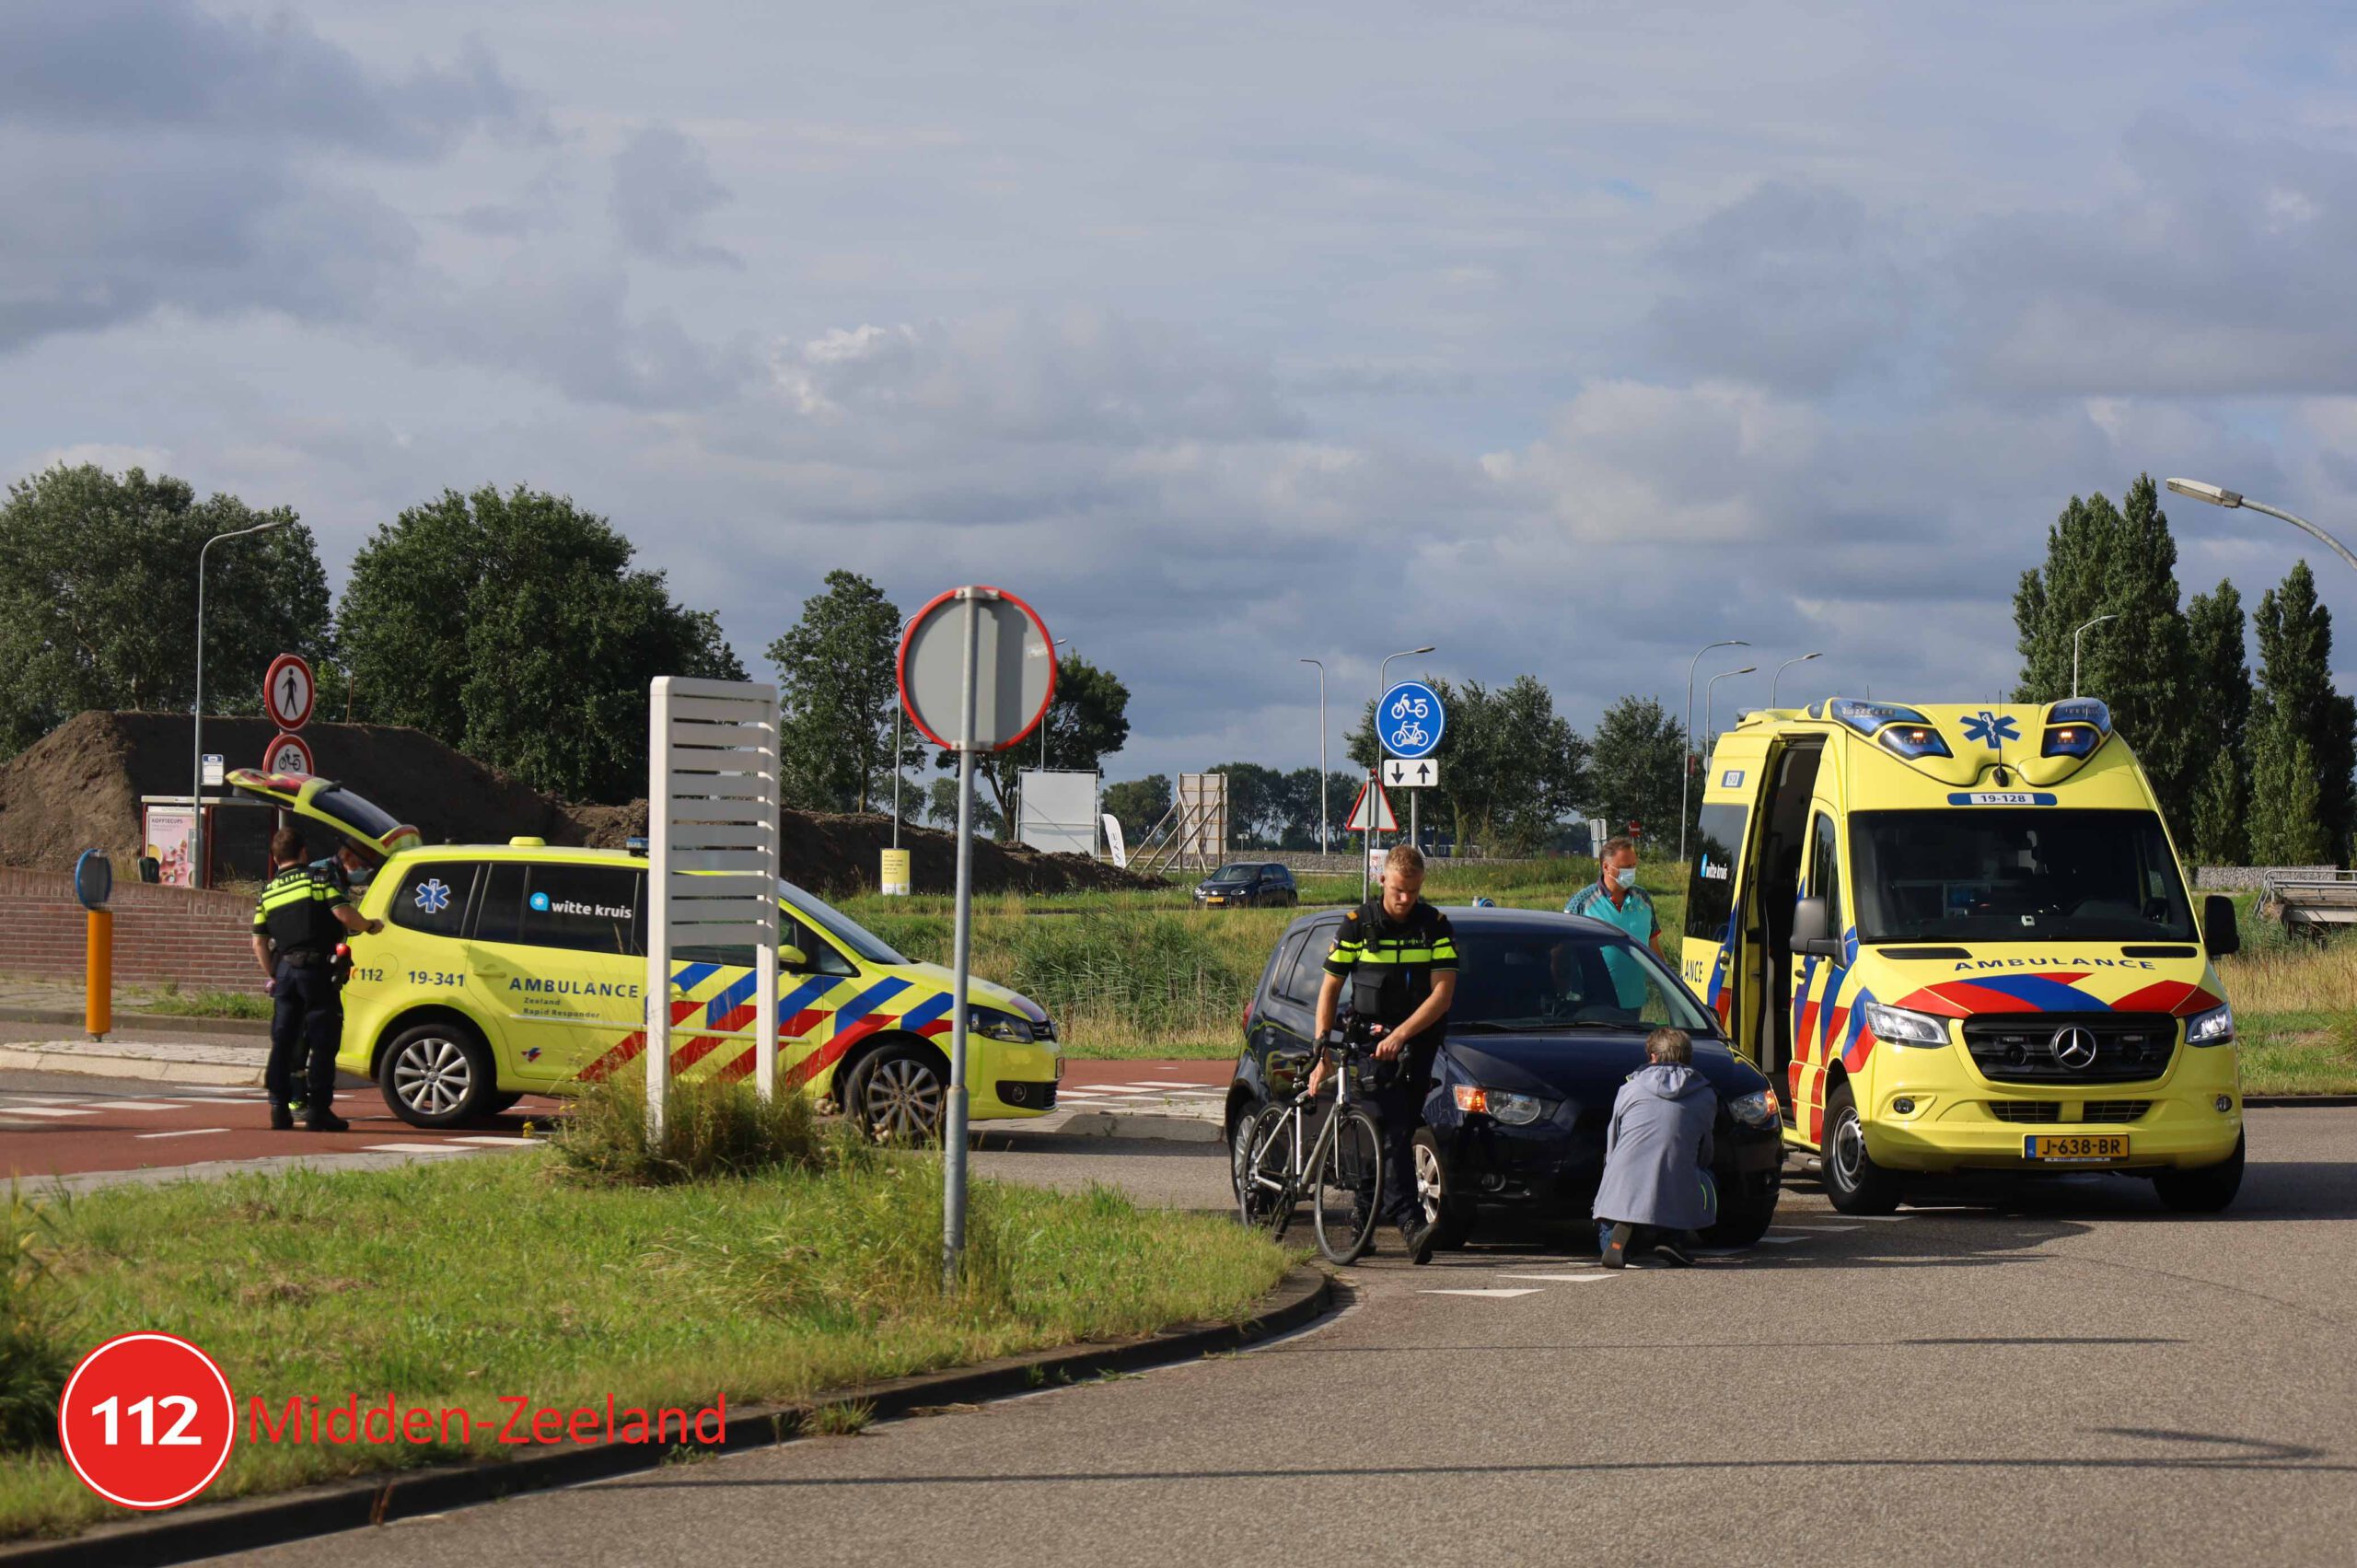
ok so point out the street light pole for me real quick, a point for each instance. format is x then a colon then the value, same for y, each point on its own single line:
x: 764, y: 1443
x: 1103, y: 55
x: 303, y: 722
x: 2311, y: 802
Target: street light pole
x: 2075, y: 648
x: 1779, y: 674
x: 1322, y: 816
x: 897, y: 706
x: 1375, y: 776
x: 2219, y: 496
x: 1711, y: 691
x: 196, y: 730
x: 1686, y: 737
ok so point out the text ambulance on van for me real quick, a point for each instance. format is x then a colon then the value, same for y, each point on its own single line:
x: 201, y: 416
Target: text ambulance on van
x: 1958, y: 936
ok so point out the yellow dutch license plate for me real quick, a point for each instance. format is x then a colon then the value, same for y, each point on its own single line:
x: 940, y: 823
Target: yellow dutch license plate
x: 2070, y: 1147
x: 1214, y: 899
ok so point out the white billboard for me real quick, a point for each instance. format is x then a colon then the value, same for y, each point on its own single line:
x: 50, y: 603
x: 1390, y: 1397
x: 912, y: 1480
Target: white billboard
x: 1057, y: 811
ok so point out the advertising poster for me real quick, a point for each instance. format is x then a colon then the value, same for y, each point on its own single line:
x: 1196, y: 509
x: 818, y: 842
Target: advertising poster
x: 169, y: 831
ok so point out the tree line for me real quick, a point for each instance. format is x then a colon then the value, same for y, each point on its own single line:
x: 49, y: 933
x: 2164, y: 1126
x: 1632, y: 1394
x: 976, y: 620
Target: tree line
x: 2248, y: 770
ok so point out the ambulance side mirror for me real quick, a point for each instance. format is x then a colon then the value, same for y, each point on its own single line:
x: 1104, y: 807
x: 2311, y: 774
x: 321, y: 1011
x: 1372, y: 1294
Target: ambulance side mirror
x: 2219, y: 932
x: 1809, y: 934
x: 790, y: 957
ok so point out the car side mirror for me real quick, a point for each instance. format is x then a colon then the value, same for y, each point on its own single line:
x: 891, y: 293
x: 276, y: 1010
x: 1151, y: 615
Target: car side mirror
x: 1810, y: 935
x: 2219, y: 932
x: 790, y: 957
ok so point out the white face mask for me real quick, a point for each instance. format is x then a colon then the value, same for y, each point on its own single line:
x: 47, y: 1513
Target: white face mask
x: 1625, y: 877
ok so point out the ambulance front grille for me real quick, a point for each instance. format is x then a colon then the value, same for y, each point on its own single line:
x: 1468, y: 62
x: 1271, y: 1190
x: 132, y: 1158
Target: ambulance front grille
x: 2025, y: 1109
x: 2020, y: 1048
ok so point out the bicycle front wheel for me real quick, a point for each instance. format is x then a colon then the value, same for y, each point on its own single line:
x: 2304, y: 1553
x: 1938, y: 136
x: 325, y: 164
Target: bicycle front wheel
x: 1347, y: 1186
x: 1264, y: 1171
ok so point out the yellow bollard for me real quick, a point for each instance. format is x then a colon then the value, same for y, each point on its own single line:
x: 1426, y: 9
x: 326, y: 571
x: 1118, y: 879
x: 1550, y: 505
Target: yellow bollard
x: 97, y: 996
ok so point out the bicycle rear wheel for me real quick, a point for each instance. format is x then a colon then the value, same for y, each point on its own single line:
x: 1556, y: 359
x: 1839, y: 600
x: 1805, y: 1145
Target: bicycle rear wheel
x: 1346, y: 1186
x: 1264, y: 1173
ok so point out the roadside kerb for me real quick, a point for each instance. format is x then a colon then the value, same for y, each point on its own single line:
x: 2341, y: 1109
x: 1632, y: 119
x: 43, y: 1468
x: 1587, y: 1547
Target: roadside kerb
x: 209, y: 1530
x: 148, y: 1023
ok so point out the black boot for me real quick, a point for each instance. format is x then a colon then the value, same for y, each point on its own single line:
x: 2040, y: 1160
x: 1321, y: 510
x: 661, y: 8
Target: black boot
x: 282, y: 1116
x: 321, y: 1119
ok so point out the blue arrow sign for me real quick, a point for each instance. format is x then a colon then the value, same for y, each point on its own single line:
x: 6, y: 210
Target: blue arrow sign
x: 1409, y: 720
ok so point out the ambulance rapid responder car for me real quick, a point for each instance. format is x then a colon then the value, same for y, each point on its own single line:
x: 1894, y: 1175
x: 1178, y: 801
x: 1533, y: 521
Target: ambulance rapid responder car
x: 520, y: 967
x: 1959, y: 938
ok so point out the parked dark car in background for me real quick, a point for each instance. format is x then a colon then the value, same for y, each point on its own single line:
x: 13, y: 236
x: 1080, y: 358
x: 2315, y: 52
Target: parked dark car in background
x: 1248, y: 884
x: 1551, y: 1018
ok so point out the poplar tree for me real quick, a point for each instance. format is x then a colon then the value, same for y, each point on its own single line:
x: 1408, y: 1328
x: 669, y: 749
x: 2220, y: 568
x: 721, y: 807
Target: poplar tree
x: 2220, y: 721
x: 2295, y: 675
x: 2121, y: 560
x: 2285, y: 824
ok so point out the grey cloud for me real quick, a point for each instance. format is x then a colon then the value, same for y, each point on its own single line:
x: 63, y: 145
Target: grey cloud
x: 2224, y: 270
x: 662, y: 189
x: 110, y: 65
x: 1796, y: 287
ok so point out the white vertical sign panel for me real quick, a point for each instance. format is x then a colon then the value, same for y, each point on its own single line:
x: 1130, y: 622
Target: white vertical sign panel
x: 712, y: 852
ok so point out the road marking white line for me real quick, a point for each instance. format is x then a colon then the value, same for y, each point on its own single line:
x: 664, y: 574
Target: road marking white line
x: 180, y: 1133
x: 412, y: 1149
x: 1490, y: 1293
x: 1573, y: 1279
x: 43, y: 1110
x: 134, y: 1104
x: 495, y: 1143
x: 1165, y: 1083
x: 1118, y: 1089
x: 1815, y: 1229
x: 1783, y: 1240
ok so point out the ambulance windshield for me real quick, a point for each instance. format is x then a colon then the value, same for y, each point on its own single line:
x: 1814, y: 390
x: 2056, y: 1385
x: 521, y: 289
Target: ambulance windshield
x: 2017, y: 875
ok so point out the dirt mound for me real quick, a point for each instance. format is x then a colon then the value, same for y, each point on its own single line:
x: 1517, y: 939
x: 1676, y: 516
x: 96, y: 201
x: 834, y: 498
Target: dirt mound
x: 79, y: 787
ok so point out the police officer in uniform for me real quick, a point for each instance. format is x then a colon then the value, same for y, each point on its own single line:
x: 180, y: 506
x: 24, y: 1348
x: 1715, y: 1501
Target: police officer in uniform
x: 1397, y: 956
x: 300, y: 919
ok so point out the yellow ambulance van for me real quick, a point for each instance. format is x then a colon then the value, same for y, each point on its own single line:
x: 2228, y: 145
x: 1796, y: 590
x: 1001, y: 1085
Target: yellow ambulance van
x: 1958, y: 938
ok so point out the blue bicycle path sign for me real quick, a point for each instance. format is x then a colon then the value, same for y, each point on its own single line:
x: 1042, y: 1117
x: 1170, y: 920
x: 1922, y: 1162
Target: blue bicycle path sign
x: 1409, y: 720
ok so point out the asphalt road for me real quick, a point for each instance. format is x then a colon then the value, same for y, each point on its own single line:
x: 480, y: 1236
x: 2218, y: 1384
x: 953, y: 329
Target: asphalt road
x: 2069, y: 1375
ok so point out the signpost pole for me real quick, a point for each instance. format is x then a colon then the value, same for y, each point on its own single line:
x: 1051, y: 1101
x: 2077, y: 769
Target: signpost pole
x: 953, y: 1164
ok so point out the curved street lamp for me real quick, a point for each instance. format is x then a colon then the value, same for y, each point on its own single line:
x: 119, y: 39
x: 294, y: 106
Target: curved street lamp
x: 1710, y: 691
x: 196, y: 730
x: 1322, y: 816
x: 1779, y: 674
x: 1686, y: 737
x: 2217, y: 495
x: 2075, y: 648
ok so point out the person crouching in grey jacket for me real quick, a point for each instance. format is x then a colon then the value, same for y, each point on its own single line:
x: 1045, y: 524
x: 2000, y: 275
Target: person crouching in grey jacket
x: 1656, y: 1190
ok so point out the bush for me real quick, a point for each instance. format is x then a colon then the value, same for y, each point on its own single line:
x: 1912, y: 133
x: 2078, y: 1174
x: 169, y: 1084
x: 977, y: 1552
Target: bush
x: 710, y: 1129
x: 34, y: 1357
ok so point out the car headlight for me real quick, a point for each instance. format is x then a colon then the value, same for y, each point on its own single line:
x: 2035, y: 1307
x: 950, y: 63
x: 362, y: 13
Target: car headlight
x: 2215, y: 1028
x: 1756, y: 1109
x: 999, y: 1026
x: 1513, y: 1110
x: 1898, y: 1026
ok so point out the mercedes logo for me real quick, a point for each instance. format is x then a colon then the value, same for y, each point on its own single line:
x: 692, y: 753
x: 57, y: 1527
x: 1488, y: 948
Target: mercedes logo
x: 2074, y: 1048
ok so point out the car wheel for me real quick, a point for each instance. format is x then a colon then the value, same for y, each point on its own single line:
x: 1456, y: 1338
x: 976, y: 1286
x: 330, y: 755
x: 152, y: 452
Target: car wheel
x: 438, y: 1075
x: 899, y: 1095
x: 1740, y: 1224
x: 501, y: 1103
x: 2205, y: 1191
x: 1451, y: 1217
x: 1853, y: 1184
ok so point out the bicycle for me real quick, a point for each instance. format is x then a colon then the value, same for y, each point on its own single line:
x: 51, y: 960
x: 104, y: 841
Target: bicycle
x: 1339, y: 1168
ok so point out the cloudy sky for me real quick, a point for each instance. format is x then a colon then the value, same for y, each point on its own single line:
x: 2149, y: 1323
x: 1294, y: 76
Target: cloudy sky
x: 1566, y: 336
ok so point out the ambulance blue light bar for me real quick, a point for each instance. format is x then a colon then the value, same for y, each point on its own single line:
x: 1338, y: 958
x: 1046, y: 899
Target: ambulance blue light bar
x: 1867, y: 718
x: 2075, y: 728
x: 1913, y: 740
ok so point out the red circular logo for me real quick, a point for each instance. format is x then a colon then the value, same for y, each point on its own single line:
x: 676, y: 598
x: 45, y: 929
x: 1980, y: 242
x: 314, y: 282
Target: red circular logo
x: 147, y: 1421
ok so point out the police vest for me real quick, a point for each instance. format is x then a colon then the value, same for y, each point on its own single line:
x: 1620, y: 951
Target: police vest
x: 297, y: 913
x: 1389, y: 964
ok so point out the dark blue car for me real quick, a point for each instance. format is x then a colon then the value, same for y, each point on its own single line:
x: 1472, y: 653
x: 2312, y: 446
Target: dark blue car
x: 1550, y: 1017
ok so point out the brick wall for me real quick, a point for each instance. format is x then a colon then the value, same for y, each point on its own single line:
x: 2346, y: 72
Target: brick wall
x: 199, y: 939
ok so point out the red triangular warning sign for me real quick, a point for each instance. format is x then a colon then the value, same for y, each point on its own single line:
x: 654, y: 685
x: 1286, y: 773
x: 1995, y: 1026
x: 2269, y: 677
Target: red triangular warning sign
x: 1385, y: 822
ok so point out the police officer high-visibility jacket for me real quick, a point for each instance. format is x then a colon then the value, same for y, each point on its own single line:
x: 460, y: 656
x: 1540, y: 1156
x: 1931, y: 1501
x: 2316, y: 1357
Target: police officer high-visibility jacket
x: 297, y: 913
x: 1389, y: 964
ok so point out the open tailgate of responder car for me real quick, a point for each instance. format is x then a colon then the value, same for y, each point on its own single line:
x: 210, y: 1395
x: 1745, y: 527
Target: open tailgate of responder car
x: 324, y: 800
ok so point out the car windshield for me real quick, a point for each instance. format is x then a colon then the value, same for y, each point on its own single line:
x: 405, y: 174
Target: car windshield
x: 862, y: 942
x: 2031, y: 874
x: 1236, y: 873
x: 1546, y: 978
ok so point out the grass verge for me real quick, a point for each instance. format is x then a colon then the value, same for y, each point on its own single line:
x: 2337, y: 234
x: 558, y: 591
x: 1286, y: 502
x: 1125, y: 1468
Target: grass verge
x: 175, y: 1003
x: 453, y: 1283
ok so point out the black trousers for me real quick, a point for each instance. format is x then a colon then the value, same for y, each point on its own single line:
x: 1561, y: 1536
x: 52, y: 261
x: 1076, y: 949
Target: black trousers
x: 306, y: 1027
x: 1398, y: 1107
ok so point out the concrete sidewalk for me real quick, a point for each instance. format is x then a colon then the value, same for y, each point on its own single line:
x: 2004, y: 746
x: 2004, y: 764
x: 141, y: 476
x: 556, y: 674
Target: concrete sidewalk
x: 222, y: 1063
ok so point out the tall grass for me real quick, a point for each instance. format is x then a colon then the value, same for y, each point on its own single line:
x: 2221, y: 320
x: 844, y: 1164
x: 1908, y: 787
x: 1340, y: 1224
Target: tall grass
x: 34, y: 1357
x: 710, y: 1129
